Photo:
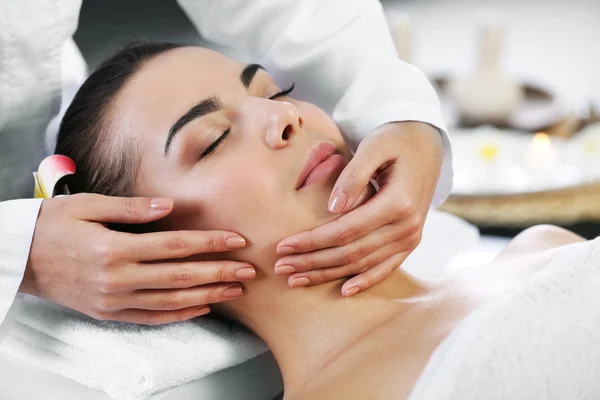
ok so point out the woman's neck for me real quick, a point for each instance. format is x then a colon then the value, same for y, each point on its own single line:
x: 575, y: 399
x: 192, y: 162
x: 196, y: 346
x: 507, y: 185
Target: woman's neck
x: 307, y: 328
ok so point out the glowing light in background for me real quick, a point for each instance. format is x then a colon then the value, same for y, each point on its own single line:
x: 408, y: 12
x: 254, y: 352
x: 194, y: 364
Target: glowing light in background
x: 542, y: 155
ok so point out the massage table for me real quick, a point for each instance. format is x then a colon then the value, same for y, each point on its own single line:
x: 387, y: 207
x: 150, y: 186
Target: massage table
x: 255, y: 379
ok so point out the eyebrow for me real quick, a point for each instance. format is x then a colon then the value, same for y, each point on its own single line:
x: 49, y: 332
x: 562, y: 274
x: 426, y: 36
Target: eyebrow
x: 248, y: 74
x: 206, y: 106
x: 209, y: 105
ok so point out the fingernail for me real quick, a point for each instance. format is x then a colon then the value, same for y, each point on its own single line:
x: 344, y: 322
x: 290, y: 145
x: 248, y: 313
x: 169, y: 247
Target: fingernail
x: 299, y: 281
x: 232, y: 292
x: 284, y: 250
x: 161, y: 204
x: 203, y: 311
x: 245, y: 273
x: 337, y: 203
x: 235, y: 242
x: 352, y: 291
x: 284, y: 270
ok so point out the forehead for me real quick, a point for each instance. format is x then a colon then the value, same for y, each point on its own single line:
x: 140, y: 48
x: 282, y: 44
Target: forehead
x: 167, y: 86
x: 186, y: 69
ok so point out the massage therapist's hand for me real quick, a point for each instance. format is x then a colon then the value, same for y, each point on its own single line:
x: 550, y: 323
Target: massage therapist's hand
x: 77, y: 262
x: 373, y: 239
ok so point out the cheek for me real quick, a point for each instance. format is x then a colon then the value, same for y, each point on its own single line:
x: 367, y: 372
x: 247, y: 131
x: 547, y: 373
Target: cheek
x: 318, y: 121
x: 255, y: 200
x: 239, y: 194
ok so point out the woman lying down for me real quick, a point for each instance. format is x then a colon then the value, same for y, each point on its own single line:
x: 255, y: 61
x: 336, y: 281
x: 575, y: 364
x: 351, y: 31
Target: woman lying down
x: 238, y: 163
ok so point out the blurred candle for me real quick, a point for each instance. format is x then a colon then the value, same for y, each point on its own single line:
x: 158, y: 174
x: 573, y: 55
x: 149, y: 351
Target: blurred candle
x: 592, y: 147
x: 490, y: 176
x: 489, y: 152
x: 541, y: 155
x: 591, y: 156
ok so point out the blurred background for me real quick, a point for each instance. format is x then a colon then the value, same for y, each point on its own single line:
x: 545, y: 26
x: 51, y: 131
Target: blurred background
x: 519, y: 83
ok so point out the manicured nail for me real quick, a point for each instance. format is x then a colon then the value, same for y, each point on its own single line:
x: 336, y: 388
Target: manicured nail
x: 284, y: 269
x: 352, y: 291
x: 203, y: 311
x: 245, y: 273
x: 284, y: 250
x: 235, y: 242
x: 232, y: 292
x: 161, y: 204
x: 299, y: 281
x: 338, y: 202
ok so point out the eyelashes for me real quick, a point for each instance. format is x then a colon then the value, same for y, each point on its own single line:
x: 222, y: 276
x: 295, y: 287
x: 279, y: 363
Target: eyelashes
x: 283, y: 92
x: 227, y: 132
x: 215, y: 144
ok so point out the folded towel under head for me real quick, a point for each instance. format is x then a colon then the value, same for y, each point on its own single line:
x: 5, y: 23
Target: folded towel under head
x: 541, y: 341
x: 125, y: 361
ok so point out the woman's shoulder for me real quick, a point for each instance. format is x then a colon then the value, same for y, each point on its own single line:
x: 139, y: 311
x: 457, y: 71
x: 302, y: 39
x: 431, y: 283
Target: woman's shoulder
x: 538, y: 239
x: 528, y: 335
x: 519, y: 262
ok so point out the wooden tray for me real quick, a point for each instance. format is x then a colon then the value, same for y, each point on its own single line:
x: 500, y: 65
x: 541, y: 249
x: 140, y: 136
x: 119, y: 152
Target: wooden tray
x: 561, y: 207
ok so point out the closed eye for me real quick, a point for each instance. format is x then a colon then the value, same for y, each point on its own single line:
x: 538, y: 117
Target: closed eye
x: 215, y: 144
x: 227, y: 132
x: 283, y: 92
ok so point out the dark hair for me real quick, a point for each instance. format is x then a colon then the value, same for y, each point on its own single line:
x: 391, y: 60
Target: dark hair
x: 84, y: 131
x: 104, y: 165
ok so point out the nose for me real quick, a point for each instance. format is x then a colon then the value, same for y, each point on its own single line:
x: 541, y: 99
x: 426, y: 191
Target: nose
x: 282, y: 123
x: 276, y: 122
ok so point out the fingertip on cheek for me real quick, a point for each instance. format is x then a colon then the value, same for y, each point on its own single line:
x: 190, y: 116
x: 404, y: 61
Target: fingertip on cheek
x: 284, y: 250
x: 298, y: 281
x: 284, y: 269
x: 351, y: 291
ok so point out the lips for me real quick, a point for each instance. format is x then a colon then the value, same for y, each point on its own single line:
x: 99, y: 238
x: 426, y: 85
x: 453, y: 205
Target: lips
x: 322, y: 161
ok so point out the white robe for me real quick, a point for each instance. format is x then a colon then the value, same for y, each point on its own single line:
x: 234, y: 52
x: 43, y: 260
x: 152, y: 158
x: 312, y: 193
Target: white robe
x: 339, y: 52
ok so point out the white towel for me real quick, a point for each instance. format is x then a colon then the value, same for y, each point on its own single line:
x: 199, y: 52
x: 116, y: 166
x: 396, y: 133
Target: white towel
x: 125, y: 361
x: 542, y: 341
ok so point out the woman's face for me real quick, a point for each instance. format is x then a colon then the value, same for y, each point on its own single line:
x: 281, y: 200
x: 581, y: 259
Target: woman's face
x: 212, y: 136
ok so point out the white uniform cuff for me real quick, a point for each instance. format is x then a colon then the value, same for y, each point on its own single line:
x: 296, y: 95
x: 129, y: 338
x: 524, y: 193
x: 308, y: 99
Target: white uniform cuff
x: 17, y: 224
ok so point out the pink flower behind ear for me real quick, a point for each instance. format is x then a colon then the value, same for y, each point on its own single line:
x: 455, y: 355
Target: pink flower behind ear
x: 50, y: 171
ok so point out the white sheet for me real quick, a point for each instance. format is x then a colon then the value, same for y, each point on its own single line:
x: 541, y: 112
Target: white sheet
x: 541, y: 341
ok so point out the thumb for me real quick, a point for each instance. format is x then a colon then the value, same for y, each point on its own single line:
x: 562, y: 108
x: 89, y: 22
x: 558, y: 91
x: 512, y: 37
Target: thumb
x: 353, y: 180
x: 122, y: 210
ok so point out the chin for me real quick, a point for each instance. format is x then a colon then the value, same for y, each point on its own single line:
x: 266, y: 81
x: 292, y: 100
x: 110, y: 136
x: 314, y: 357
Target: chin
x: 315, y: 199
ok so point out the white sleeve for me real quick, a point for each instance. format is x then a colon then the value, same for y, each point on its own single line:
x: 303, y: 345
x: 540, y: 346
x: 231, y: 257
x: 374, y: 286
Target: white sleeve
x: 73, y: 74
x: 17, y: 224
x: 32, y: 34
x: 339, y: 53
